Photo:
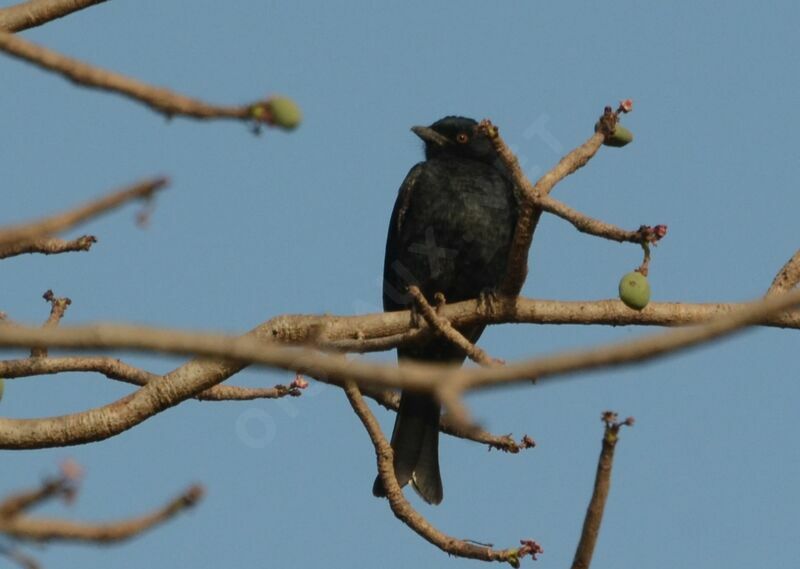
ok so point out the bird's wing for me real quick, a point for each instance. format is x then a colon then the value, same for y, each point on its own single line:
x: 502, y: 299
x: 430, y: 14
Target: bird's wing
x: 394, y: 282
x: 404, y: 198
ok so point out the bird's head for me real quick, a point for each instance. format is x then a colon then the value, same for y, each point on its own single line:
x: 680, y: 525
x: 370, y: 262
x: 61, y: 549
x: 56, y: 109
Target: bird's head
x: 456, y: 136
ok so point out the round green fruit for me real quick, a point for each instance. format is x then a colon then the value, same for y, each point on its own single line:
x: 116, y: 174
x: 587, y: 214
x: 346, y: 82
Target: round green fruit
x: 284, y: 112
x: 634, y: 290
x: 620, y: 137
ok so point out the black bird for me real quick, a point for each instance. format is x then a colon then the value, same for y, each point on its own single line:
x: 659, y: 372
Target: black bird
x: 450, y: 233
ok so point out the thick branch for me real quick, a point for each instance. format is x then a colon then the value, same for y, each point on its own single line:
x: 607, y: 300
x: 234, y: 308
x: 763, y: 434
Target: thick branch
x: 45, y: 529
x: 253, y: 348
x: 198, y: 375
x: 386, y: 330
x: 788, y: 277
x: 61, y: 222
x: 37, y: 12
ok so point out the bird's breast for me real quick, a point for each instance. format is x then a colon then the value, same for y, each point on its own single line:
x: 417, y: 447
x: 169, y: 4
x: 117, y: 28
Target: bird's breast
x: 458, y: 228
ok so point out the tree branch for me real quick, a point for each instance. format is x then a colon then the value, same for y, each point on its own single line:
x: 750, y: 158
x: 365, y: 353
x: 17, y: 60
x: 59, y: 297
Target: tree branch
x: 252, y: 348
x: 37, y: 12
x: 58, y: 307
x: 18, y: 502
x: 117, y: 370
x: 506, y: 443
x: 788, y: 277
x: 529, y: 214
x: 602, y: 485
x: 158, y: 99
x: 443, y: 327
x: 592, y: 226
x: 25, y: 232
x: 400, y: 506
x: 21, y: 559
x: 46, y: 529
x: 48, y: 246
x: 198, y: 375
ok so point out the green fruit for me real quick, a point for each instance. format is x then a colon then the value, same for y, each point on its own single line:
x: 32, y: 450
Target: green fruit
x: 634, y: 290
x: 284, y: 112
x: 620, y: 137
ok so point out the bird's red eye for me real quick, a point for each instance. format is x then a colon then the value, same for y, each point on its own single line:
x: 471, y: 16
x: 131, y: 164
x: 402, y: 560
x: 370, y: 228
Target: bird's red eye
x: 462, y: 137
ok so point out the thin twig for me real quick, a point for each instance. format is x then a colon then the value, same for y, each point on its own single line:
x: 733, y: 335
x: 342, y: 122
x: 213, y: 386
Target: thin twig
x: 46, y: 529
x: 391, y: 400
x: 37, y: 12
x: 120, y: 371
x: 58, y: 307
x: 443, y: 327
x: 590, y: 225
x: 21, y: 559
x: 602, y: 485
x: 413, y: 375
x: 63, y: 221
x: 158, y: 99
x: 400, y: 506
x: 529, y: 214
x: 18, y: 502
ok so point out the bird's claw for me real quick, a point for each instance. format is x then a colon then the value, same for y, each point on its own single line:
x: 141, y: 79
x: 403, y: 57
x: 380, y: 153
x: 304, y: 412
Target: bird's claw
x: 416, y: 317
x: 487, y: 301
x: 439, y: 302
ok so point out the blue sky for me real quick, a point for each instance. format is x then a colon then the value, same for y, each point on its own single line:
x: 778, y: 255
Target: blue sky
x: 258, y: 226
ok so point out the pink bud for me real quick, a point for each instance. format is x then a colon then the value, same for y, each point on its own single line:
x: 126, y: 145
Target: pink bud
x: 299, y: 382
x: 626, y: 106
x: 71, y: 470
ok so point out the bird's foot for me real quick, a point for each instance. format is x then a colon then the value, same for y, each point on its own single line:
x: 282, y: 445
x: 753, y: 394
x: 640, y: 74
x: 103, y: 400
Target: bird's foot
x: 416, y: 317
x: 487, y: 301
x: 439, y: 301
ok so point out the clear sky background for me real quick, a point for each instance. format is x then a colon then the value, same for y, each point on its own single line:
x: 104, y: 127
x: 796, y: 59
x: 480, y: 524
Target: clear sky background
x: 254, y: 227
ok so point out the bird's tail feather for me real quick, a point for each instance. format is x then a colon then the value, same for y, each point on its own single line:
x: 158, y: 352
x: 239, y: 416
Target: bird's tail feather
x: 427, y: 480
x: 415, y: 441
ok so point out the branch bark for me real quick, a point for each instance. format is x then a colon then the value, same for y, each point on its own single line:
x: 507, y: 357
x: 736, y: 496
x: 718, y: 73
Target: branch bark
x: 400, y: 506
x: 529, y: 213
x: 15, y: 234
x: 443, y: 327
x: 47, y: 529
x: 158, y: 99
x: 506, y: 443
x: 48, y: 246
x: 602, y: 486
x: 120, y: 371
x: 788, y: 277
x: 37, y: 12
x: 200, y: 374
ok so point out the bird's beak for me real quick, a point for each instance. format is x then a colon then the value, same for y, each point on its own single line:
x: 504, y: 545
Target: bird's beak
x: 430, y: 135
